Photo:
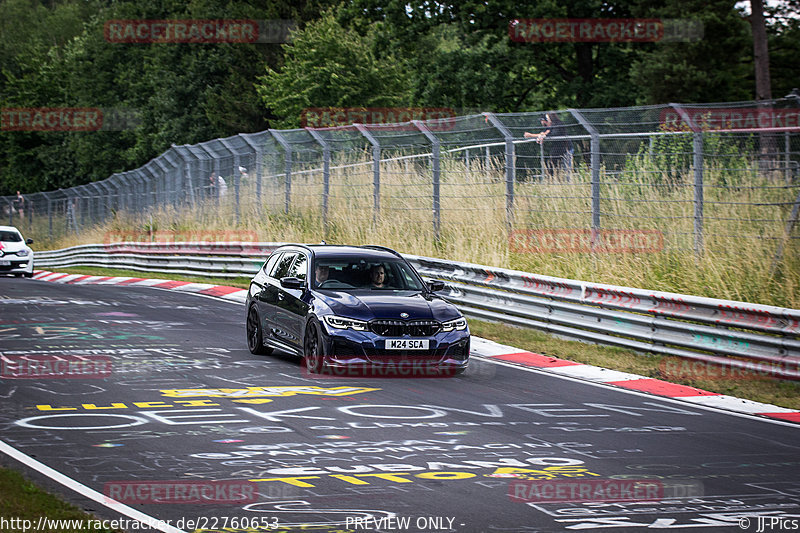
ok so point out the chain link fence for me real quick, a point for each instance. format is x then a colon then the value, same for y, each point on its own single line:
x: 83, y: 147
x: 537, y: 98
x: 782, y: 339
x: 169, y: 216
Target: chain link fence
x: 698, y: 176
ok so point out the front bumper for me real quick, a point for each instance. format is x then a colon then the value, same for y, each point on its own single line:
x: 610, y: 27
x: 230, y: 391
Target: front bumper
x: 447, y: 351
x: 17, y: 265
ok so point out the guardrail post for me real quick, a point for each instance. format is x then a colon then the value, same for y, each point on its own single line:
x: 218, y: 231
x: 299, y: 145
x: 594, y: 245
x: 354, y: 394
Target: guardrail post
x: 376, y: 170
x: 595, y: 166
x: 436, y: 155
x: 326, y: 176
x: 510, y: 166
x: 287, y: 151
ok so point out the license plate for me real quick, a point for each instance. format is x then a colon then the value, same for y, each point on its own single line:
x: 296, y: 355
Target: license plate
x: 407, y: 344
x: 5, y: 262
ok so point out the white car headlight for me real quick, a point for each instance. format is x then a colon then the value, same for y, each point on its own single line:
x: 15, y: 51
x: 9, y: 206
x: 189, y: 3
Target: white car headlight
x: 22, y: 253
x: 458, y: 323
x: 340, y: 322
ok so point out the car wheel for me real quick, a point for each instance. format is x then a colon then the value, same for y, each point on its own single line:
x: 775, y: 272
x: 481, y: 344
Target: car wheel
x: 255, y: 340
x: 312, y: 351
x: 28, y: 274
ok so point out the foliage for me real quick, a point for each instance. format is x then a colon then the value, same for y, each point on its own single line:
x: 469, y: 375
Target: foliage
x: 359, y: 53
x: 330, y: 66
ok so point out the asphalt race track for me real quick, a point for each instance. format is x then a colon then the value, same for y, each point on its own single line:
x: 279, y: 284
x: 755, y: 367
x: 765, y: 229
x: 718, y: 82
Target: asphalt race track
x: 164, y: 410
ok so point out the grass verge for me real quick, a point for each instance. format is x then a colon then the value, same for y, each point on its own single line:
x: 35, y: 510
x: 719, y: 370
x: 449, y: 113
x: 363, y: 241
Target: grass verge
x: 751, y: 387
x: 21, y: 500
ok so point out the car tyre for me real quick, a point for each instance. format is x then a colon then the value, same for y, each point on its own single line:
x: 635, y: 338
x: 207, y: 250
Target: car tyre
x: 255, y: 338
x: 313, y: 354
x: 28, y: 274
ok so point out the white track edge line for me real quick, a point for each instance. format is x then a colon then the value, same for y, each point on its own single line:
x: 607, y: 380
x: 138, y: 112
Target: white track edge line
x: 675, y: 400
x: 55, y: 475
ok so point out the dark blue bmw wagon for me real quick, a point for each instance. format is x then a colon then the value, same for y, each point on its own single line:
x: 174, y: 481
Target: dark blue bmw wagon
x: 342, y: 306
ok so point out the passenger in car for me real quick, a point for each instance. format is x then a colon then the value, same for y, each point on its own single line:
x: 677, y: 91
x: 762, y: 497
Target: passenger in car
x: 377, y: 277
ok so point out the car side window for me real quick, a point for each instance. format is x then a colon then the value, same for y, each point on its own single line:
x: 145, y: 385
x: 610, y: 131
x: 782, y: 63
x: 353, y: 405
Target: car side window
x: 281, y: 269
x: 298, y: 269
x: 271, y: 263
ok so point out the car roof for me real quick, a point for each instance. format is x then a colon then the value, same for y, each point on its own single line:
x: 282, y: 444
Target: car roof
x: 342, y: 251
x: 10, y: 228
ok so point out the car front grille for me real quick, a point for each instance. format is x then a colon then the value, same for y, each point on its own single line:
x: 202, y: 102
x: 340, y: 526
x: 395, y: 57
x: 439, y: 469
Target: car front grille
x: 400, y: 328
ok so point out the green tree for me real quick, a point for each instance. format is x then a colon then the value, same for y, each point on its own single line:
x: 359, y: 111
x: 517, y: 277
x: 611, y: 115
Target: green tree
x: 717, y: 67
x: 327, y: 65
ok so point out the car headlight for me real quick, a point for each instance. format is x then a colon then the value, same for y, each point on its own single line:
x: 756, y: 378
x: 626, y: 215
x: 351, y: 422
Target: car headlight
x: 340, y: 322
x: 22, y: 253
x: 458, y: 323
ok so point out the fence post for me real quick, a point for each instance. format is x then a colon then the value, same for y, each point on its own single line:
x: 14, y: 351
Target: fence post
x: 595, y: 166
x: 49, y: 214
x: 510, y: 155
x: 237, y: 176
x: 258, y: 171
x: 326, y: 176
x: 697, y: 148
x: 697, y: 162
x: 376, y: 170
x: 287, y: 151
x: 787, y: 156
x: 103, y: 201
x: 787, y: 233
x: 436, y: 155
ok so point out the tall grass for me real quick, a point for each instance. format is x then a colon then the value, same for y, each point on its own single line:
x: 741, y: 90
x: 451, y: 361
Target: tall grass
x: 742, y: 225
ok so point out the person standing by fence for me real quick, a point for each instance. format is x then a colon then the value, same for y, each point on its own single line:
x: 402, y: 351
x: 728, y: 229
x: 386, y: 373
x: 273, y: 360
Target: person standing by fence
x: 19, y: 205
x: 561, y: 149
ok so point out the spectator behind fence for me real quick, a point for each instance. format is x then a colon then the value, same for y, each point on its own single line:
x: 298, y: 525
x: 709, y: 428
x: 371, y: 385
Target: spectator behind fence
x: 19, y: 205
x: 561, y: 149
x: 218, y: 183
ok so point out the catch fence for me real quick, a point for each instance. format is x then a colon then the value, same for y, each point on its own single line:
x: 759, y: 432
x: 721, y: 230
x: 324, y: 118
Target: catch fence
x: 699, y: 176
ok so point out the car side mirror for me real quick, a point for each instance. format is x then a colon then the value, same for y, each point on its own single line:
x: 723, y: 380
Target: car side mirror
x: 292, y: 283
x: 435, y: 285
x: 29, y: 241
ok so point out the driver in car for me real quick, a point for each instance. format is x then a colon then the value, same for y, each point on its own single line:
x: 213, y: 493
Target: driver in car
x: 321, y: 273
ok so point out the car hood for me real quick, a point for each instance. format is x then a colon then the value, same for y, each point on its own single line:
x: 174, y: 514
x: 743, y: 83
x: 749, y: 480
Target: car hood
x: 369, y: 305
x: 12, y: 247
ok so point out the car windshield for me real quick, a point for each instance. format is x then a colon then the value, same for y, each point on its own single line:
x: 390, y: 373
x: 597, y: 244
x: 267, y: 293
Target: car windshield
x: 10, y: 236
x: 346, y: 274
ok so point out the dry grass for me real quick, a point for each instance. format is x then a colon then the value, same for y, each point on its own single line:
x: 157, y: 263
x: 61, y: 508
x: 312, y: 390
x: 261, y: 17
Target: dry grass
x: 740, y: 232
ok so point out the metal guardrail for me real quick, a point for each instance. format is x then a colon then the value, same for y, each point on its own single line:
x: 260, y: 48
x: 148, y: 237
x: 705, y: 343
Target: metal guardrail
x: 739, y: 335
